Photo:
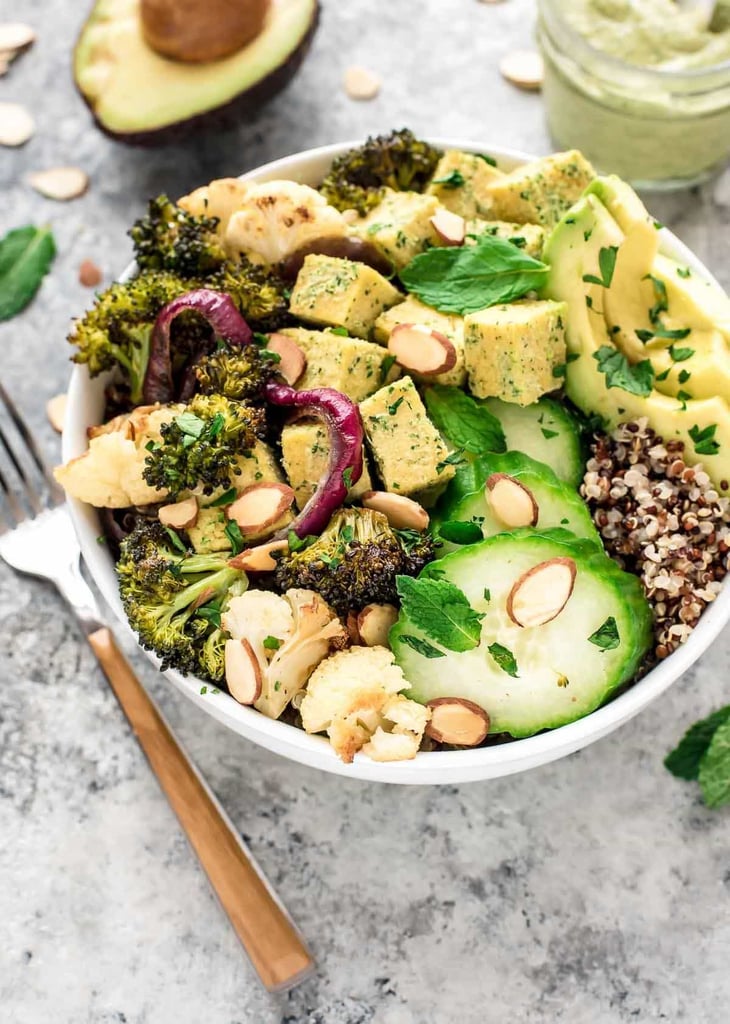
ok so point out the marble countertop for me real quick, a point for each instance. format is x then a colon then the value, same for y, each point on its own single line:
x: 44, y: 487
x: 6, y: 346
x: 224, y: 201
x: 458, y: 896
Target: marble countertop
x: 591, y: 891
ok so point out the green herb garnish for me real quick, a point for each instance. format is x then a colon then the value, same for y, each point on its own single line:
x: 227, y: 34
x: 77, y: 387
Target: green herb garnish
x: 26, y: 255
x: 441, y: 611
x: 637, y: 379
x: 606, y: 637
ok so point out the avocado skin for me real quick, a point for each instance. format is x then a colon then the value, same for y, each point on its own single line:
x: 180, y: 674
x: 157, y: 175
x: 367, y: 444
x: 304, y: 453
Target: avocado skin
x: 240, y: 108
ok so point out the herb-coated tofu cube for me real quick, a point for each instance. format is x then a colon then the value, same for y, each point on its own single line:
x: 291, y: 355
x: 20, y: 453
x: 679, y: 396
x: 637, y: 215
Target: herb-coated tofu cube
x: 355, y: 367
x: 400, y: 226
x: 209, y: 531
x: 528, y: 237
x: 408, y: 450
x: 542, y: 191
x: 413, y: 311
x: 512, y: 350
x: 339, y: 293
x: 461, y: 183
x: 305, y: 453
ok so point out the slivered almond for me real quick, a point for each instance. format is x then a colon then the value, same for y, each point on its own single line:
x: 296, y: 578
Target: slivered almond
x: 541, y: 593
x: 449, y: 226
x: 181, y: 514
x: 56, y: 411
x: 15, y: 36
x: 60, y: 183
x: 418, y: 348
x: 16, y: 124
x: 260, y: 558
x: 512, y: 503
x: 458, y: 721
x: 243, y: 671
x: 260, y: 506
x: 523, y: 68
x: 293, y: 361
x: 89, y: 274
x: 361, y: 84
x: 401, y: 512
x: 374, y: 622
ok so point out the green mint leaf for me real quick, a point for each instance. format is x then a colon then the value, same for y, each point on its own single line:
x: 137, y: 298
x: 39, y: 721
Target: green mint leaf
x: 347, y: 477
x: 26, y: 255
x: 272, y: 643
x: 211, y: 612
x: 421, y: 646
x: 548, y: 434
x: 673, y: 334
x: 441, y: 611
x: 704, y: 440
x: 662, y: 302
x: 504, y: 658
x: 560, y: 370
x: 714, y: 774
x: 261, y: 339
x: 190, y: 424
x: 684, y: 760
x: 453, y: 459
x: 606, y: 266
x: 637, y: 379
x: 487, y: 159
x: 487, y: 594
x: 454, y: 179
x: 203, y: 690
x: 458, y: 532
x: 643, y: 335
x: 299, y: 543
x: 606, y: 636
x: 683, y: 376
x: 683, y: 272
x: 663, y: 375
x: 175, y: 540
x: 227, y: 498
x: 341, y: 331
x: 680, y: 355
x: 467, y: 278
x: 233, y: 532
x: 467, y: 424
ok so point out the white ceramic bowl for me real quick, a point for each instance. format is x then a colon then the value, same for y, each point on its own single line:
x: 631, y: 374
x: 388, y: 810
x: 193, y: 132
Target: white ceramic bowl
x: 85, y: 407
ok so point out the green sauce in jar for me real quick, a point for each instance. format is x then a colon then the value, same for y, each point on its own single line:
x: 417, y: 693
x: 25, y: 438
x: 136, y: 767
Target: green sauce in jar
x: 640, y: 86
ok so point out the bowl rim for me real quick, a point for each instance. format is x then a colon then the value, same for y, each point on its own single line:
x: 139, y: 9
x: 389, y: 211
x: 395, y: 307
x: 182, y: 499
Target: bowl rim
x: 428, y: 767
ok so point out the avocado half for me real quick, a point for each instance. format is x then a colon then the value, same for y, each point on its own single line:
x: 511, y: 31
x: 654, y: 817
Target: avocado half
x: 141, y: 98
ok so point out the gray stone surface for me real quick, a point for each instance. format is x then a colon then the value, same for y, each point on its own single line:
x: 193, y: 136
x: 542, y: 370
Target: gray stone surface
x: 592, y: 890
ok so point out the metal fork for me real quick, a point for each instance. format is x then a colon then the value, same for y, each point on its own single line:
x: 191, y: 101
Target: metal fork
x: 37, y: 538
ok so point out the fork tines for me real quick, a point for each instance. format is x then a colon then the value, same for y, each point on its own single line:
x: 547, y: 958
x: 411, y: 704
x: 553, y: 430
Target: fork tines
x: 26, y: 482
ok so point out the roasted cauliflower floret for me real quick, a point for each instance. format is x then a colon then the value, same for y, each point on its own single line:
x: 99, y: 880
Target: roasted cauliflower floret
x: 355, y: 697
x: 220, y: 198
x: 109, y: 473
x: 277, y: 218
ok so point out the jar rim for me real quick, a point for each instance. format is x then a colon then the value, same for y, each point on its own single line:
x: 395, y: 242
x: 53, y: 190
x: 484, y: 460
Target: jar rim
x: 664, y: 75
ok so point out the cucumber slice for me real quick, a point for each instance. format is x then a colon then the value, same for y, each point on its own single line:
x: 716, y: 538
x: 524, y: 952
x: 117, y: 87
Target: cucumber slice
x: 545, y: 431
x: 557, y: 503
x: 562, y: 675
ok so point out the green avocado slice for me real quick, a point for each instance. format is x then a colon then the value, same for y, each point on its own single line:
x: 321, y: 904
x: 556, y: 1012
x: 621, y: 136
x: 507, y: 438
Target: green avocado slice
x: 137, y: 96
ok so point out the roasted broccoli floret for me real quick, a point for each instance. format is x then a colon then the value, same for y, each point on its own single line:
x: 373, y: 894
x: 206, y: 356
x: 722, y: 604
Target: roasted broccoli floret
x: 174, y: 599
x: 356, y: 560
x: 170, y: 238
x: 200, y: 446
x: 261, y: 295
x: 399, y: 161
x: 238, y: 373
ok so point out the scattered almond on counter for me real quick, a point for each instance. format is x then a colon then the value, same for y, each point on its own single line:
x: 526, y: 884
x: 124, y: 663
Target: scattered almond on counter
x: 60, y: 183
x: 89, y: 274
x: 56, y: 411
x: 15, y: 36
x: 523, y: 68
x: 361, y: 84
x: 16, y: 124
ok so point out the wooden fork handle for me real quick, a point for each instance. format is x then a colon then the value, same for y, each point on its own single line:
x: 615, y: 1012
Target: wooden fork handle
x: 268, y: 935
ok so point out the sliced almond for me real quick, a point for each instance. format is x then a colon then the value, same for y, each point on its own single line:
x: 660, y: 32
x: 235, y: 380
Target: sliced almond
x: 449, y: 226
x: 374, y: 622
x: 16, y: 124
x: 15, y: 36
x: 458, y: 721
x: 523, y: 68
x: 260, y: 558
x: 260, y: 506
x: 540, y: 594
x: 293, y: 361
x: 89, y: 274
x: 512, y: 503
x: 60, y: 183
x: 418, y: 348
x: 56, y: 411
x: 181, y: 514
x: 361, y: 84
x: 401, y: 512
x: 243, y: 671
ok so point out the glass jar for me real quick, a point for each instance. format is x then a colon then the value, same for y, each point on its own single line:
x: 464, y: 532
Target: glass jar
x: 656, y: 128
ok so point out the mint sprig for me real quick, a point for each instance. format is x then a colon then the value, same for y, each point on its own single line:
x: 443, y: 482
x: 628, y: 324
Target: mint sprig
x: 467, y: 424
x: 703, y: 754
x: 441, y: 611
x: 26, y: 255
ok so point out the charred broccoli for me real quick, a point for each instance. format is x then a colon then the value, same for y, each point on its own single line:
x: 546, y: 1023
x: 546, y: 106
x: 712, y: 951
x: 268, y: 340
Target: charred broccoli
x: 238, y: 373
x: 174, y: 599
x: 200, y: 446
x: 261, y: 295
x: 399, y: 161
x: 356, y: 560
x: 170, y: 238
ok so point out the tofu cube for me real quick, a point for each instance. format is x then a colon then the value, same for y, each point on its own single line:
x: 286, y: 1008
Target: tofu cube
x: 413, y: 311
x: 461, y: 183
x: 305, y: 452
x: 512, y: 350
x: 209, y: 532
x: 400, y: 226
x: 408, y: 450
x: 339, y: 293
x: 355, y: 367
x: 540, y: 192
x: 528, y: 237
